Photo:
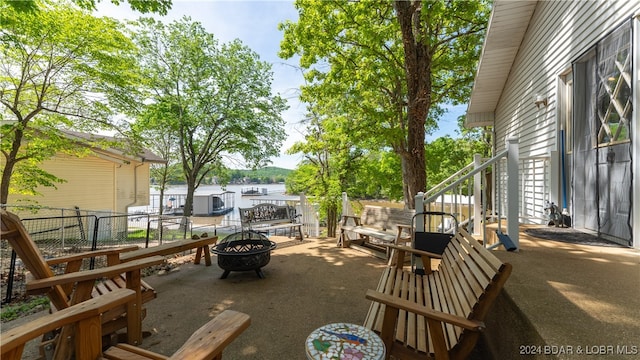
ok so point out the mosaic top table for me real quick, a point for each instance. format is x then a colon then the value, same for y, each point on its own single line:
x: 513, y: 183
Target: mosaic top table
x: 344, y: 341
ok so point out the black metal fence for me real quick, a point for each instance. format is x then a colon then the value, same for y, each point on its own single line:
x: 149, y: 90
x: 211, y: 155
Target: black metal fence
x: 59, y: 232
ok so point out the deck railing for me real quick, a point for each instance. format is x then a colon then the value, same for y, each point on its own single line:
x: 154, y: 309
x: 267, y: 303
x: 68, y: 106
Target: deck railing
x: 481, y: 190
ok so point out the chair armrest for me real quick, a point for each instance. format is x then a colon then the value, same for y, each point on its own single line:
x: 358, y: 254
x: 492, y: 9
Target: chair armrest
x: 89, y: 254
x: 356, y: 219
x: 209, y: 341
x: 414, y: 308
x: 43, y: 285
x: 93, y: 308
x: 398, y: 253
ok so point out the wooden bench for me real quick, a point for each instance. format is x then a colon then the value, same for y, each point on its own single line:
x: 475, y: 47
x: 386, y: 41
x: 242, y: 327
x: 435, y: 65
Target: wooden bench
x: 200, y: 244
x: 208, y: 342
x: 439, y: 313
x: 266, y: 217
x: 376, y: 226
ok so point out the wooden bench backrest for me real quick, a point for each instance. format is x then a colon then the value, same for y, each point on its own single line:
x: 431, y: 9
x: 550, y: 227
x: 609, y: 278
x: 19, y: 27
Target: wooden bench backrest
x: 14, y: 231
x: 385, y: 217
x: 471, y: 276
x: 266, y: 213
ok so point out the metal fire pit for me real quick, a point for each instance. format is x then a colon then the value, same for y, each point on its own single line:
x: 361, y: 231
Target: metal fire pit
x: 244, y: 251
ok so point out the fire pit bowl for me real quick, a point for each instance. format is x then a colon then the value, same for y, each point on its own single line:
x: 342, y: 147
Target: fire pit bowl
x: 244, y: 251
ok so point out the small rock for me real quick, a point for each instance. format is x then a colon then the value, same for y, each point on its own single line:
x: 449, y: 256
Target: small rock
x: 162, y: 272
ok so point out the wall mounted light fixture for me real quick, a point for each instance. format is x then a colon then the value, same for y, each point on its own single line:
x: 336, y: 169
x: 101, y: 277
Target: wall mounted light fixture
x: 540, y: 100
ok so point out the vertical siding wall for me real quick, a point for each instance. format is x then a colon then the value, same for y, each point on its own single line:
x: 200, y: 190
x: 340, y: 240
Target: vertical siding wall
x: 93, y: 183
x: 90, y: 183
x: 132, y: 186
x: 559, y: 32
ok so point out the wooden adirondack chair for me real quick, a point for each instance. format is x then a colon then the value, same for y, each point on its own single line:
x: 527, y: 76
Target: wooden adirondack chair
x: 76, y: 286
x: 208, y: 342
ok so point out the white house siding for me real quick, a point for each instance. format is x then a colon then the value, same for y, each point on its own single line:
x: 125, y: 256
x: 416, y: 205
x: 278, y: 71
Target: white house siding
x: 559, y: 32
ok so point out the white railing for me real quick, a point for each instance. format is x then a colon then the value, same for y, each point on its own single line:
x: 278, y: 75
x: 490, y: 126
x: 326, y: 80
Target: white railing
x: 464, y: 194
x: 310, y: 218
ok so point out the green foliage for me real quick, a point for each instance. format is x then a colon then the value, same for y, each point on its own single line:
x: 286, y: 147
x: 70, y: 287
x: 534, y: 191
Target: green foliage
x: 331, y: 160
x: 479, y: 138
x: 11, y: 312
x: 445, y: 156
x: 61, y: 69
x: 136, y: 234
x: 144, y: 6
x: 379, y: 177
x: 353, y: 53
x: 387, y: 67
x: 266, y: 175
x: 214, y: 99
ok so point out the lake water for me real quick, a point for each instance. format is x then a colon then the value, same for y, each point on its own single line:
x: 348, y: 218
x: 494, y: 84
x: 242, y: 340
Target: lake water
x: 174, y: 196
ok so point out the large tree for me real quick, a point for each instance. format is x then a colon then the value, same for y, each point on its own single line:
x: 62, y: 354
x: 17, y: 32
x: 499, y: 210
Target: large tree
x: 60, y: 68
x: 394, y: 64
x: 143, y: 6
x: 156, y: 133
x: 216, y: 98
x: 330, y: 162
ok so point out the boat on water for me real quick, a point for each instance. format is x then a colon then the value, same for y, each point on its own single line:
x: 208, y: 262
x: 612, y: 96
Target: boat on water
x: 253, y: 191
x: 219, y: 207
x: 213, y: 204
x: 203, y: 205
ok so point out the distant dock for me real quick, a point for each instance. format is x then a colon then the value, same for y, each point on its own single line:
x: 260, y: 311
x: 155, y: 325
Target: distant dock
x: 253, y: 191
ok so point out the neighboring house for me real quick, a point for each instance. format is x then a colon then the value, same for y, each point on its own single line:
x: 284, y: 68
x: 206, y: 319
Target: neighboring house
x: 108, y: 180
x: 563, y: 78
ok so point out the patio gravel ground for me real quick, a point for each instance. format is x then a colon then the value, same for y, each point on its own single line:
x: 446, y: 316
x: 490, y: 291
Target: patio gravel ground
x: 572, y: 295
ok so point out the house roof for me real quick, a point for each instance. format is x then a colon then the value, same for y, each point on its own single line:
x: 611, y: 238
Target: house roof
x: 508, y: 24
x: 111, y: 153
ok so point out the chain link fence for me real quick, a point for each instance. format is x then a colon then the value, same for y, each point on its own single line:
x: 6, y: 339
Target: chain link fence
x: 58, y: 232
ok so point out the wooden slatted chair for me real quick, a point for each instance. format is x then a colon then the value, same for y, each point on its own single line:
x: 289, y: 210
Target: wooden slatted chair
x: 76, y: 286
x: 439, y: 314
x: 208, y: 342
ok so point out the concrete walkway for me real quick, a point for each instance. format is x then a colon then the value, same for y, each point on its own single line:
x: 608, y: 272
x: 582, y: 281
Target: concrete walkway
x: 580, y: 301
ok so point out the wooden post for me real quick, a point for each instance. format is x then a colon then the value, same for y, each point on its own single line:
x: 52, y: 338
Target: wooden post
x: 555, y: 179
x: 477, y: 195
x: 513, y: 195
x: 419, y: 201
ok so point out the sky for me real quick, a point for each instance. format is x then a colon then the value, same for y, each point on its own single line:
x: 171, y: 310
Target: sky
x: 255, y: 23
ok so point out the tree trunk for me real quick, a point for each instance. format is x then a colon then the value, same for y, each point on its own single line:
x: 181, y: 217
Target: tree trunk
x: 332, y: 214
x: 188, y: 202
x: 488, y: 186
x: 6, y: 178
x: 9, y: 165
x: 418, y: 75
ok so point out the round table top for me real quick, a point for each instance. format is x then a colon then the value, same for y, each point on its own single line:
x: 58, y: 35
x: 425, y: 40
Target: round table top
x: 344, y: 342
